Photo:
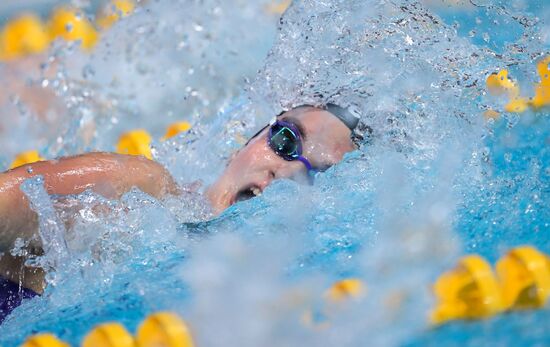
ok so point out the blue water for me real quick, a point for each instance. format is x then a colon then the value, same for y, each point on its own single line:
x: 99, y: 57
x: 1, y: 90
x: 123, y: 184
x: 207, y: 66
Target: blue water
x: 434, y: 182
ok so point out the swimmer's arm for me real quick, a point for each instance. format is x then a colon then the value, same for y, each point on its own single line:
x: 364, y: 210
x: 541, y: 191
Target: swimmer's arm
x: 108, y: 174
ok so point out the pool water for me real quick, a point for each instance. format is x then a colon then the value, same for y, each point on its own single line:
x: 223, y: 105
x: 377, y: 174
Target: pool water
x: 436, y: 180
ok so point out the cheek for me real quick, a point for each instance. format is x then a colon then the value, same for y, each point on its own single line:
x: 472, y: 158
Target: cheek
x: 339, y: 154
x: 233, y: 167
x: 342, y: 147
x: 248, y: 157
x: 345, y: 146
x: 340, y: 142
x: 330, y: 152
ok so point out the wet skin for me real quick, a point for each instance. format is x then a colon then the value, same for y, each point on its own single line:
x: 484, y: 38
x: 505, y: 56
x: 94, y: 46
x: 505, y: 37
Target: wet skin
x: 325, y: 141
x: 108, y: 174
x: 250, y: 170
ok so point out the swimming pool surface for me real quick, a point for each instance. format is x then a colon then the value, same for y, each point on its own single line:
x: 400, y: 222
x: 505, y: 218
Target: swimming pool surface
x: 436, y: 180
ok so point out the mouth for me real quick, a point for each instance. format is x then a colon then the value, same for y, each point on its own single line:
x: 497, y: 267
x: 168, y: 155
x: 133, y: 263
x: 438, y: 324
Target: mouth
x: 247, y: 193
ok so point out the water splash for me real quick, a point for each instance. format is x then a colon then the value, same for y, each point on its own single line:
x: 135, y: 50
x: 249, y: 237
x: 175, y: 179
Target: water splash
x: 435, y: 181
x: 50, y: 229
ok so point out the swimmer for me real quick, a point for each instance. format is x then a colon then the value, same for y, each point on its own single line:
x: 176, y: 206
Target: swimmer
x: 296, y: 143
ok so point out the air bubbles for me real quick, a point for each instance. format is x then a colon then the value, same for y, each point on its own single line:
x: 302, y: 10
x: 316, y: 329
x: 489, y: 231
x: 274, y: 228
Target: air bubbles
x: 198, y: 27
x: 508, y: 157
x: 425, y: 180
x: 181, y: 45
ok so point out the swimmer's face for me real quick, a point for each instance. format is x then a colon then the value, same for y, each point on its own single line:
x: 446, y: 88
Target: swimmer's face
x: 325, y: 140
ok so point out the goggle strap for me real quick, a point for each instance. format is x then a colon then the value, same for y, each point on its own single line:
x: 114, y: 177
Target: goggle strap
x: 305, y: 162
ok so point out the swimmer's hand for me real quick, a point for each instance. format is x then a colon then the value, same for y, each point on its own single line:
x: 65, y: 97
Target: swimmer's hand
x: 108, y: 174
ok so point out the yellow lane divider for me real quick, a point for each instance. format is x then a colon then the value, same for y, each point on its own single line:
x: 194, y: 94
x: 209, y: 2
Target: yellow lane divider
x: 44, y: 340
x: 135, y: 142
x: 109, y: 335
x: 336, y: 297
x: 346, y: 289
x: 27, y: 157
x: 468, y: 291
x: 501, y: 84
x: 26, y: 34
x: 162, y: 329
x: 472, y: 290
x: 525, y: 278
x: 72, y: 25
x: 138, y: 141
x: 542, y: 89
x: 114, y: 11
x: 278, y: 7
x: 176, y: 128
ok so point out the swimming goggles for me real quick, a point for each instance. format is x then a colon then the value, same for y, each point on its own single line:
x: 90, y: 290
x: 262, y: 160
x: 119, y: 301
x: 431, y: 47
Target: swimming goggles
x: 285, y: 138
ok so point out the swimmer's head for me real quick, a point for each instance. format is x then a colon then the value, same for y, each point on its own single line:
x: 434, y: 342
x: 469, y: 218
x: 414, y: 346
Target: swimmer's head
x: 324, y: 133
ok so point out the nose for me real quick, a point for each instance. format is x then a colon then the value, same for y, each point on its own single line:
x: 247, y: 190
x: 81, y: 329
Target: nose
x: 264, y: 165
x: 262, y: 162
x: 269, y: 176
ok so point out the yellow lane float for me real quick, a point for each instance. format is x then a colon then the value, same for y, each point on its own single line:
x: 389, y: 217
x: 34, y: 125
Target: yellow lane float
x: 113, y: 11
x: 469, y: 291
x: 543, y: 68
x: 27, y: 34
x: 524, y: 275
x: 517, y: 105
x: 339, y: 293
x: 500, y: 83
x: 164, y: 329
x: 176, y: 128
x: 23, y: 36
x: 346, y: 289
x: 542, y: 89
x: 109, y: 335
x: 71, y: 25
x: 44, y: 340
x: 278, y: 7
x: 135, y: 142
x: 491, y: 114
x: 27, y: 157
